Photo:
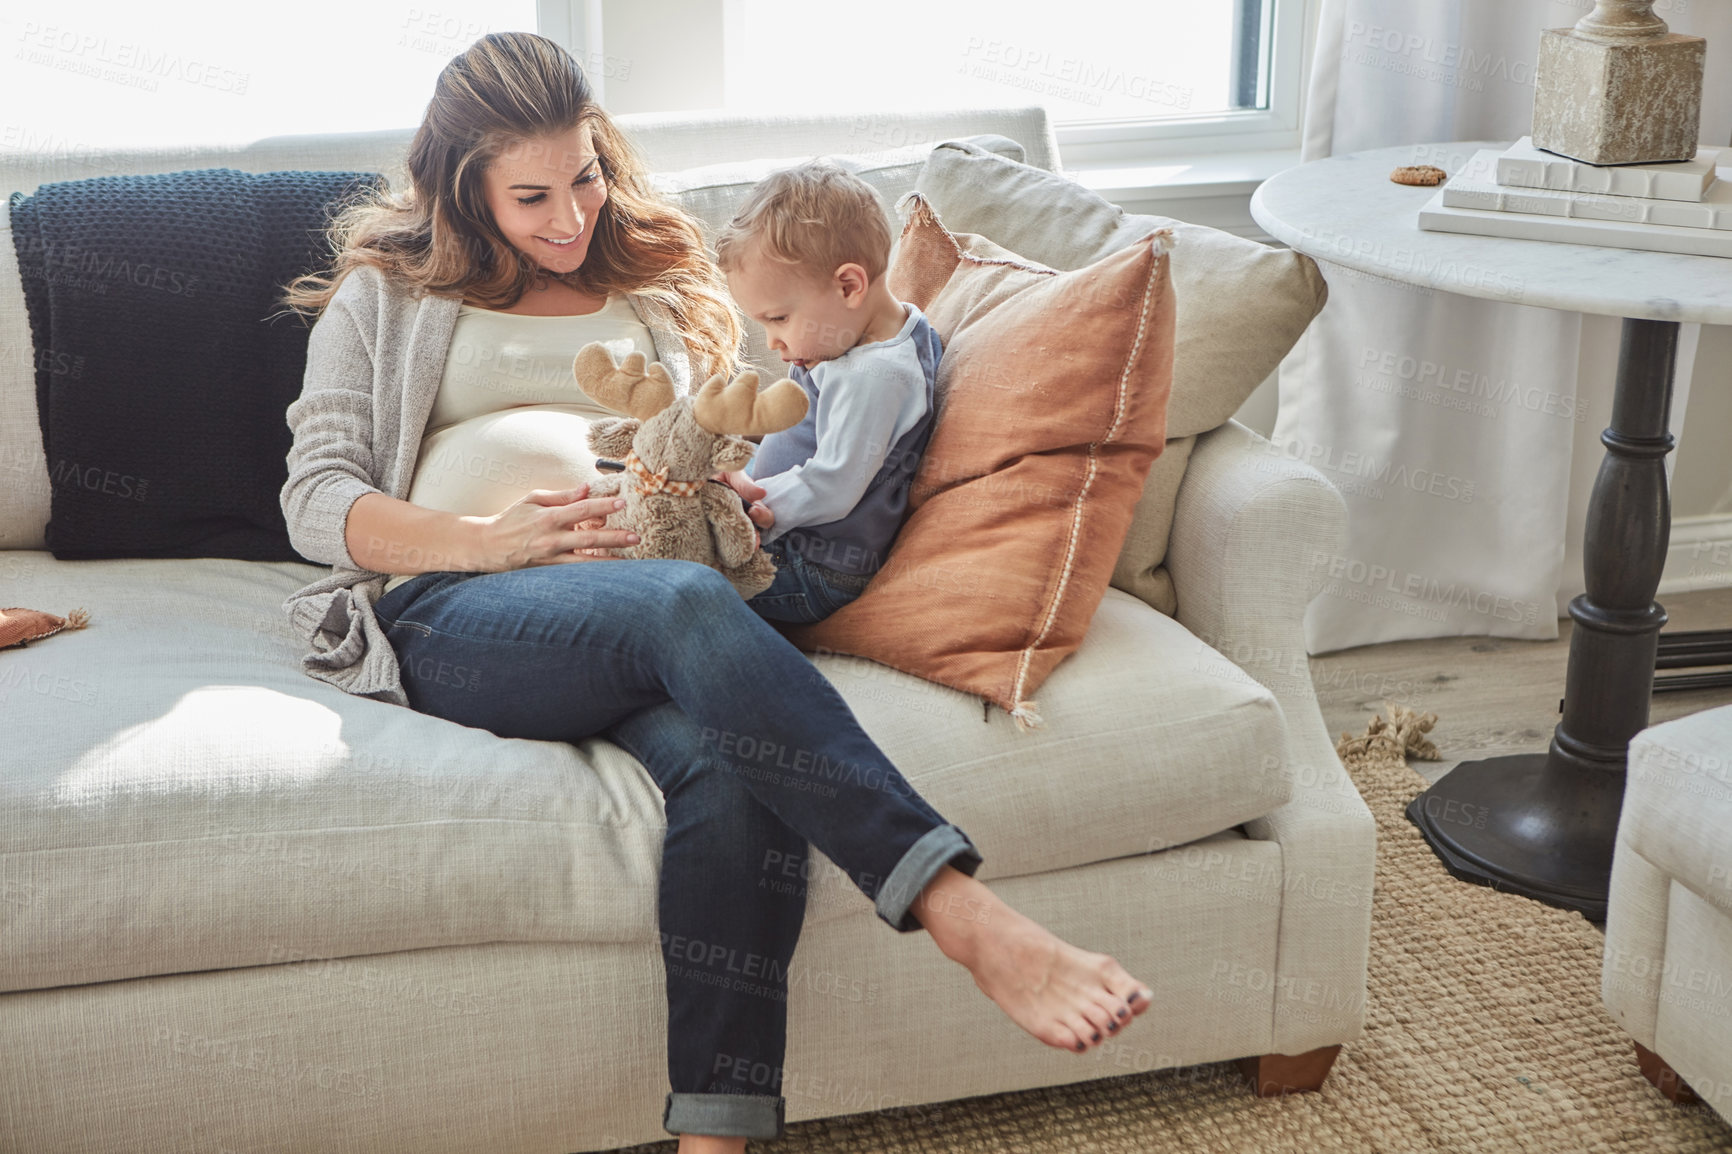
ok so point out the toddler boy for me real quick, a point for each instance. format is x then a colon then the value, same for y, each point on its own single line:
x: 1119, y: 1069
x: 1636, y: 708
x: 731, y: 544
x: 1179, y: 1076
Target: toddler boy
x: 805, y: 257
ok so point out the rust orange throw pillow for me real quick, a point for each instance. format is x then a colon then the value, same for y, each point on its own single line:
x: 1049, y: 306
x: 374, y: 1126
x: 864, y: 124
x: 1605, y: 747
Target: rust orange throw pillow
x: 1052, y: 405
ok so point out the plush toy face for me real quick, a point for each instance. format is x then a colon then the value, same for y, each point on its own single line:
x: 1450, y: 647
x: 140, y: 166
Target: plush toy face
x: 672, y: 439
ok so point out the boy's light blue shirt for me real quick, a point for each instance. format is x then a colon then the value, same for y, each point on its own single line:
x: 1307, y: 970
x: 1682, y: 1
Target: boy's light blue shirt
x: 838, y: 481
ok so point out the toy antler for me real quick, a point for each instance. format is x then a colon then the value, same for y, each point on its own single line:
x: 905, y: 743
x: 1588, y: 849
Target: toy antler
x: 739, y: 408
x: 626, y: 387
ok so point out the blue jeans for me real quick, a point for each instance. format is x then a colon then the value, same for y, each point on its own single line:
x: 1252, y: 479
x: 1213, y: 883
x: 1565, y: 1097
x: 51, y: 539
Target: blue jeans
x: 804, y: 590
x: 755, y: 753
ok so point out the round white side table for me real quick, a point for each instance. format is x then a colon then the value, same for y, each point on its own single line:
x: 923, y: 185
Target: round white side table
x: 1550, y: 819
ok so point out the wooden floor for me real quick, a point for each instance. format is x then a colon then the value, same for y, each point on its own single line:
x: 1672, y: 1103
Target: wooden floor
x: 1491, y: 696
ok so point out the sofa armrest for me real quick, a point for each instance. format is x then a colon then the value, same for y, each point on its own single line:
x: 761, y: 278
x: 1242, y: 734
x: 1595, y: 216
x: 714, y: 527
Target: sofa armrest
x: 1253, y: 530
x: 1249, y: 529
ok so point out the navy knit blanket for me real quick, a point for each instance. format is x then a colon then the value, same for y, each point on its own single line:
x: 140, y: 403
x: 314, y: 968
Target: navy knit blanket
x: 163, y: 361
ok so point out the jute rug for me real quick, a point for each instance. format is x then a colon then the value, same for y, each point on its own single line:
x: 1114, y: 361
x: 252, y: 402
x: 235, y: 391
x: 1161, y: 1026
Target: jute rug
x: 1484, y: 1032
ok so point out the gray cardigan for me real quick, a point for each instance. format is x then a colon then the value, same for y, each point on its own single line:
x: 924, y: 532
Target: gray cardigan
x: 375, y: 358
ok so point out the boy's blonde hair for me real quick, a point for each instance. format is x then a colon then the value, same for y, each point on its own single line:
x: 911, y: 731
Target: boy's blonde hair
x: 816, y: 215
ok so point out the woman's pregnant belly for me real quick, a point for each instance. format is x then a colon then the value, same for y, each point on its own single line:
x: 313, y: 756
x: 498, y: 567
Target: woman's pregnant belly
x: 478, y: 466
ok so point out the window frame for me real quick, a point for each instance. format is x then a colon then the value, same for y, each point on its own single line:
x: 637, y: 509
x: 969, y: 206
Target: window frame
x: 1276, y: 128
x: 578, y: 24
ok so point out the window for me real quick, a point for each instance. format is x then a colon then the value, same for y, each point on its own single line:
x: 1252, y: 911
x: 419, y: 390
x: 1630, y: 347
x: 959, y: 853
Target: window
x: 1124, y: 83
x: 1104, y: 61
x: 95, y: 75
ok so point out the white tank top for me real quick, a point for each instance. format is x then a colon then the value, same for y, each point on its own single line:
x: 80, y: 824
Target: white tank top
x: 509, y: 417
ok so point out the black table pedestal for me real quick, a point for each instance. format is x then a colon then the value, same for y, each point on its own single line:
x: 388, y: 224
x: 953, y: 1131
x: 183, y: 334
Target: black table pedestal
x: 1543, y: 825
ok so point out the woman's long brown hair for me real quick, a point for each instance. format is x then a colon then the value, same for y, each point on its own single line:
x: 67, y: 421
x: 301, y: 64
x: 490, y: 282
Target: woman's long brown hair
x: 506, y: 90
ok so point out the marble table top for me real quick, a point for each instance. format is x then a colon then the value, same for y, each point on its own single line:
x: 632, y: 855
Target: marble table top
x: 1346, y: 210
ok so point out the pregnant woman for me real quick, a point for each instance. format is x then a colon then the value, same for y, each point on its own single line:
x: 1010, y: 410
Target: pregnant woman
x: 529, y: 225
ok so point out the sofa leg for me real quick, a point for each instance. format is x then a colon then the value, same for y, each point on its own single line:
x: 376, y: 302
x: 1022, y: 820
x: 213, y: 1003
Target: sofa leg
x: 1273, y: 1075
x: 1664, y: 1078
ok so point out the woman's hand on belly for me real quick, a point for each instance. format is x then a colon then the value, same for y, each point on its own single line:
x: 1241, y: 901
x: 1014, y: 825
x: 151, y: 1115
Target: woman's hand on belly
x: 551, y: 527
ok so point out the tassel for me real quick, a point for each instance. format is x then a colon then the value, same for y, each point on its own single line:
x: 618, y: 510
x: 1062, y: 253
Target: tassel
x: 1025, y: 716
x: 77, y: 619
x: 1163, y: 241
x: 1401, y: 735
x: 915, y: 207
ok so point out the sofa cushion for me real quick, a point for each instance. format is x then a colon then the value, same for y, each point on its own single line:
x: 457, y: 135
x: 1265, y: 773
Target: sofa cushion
x: 179, y: 796
x: 1141, y: 566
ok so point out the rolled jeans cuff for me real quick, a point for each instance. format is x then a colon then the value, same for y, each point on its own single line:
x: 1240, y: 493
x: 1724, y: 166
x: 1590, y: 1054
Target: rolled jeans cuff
x: 940, y: 846
x: 724, y: 1115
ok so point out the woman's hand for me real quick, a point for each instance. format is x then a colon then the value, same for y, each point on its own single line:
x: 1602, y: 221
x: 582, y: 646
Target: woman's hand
x: 551, y: 527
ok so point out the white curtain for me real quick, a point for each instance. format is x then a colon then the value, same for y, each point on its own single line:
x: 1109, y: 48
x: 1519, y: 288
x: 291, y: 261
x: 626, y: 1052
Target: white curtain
x: 1462, y: 519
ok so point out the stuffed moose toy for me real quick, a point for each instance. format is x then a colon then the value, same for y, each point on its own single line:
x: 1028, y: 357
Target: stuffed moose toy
x: 672, y: 446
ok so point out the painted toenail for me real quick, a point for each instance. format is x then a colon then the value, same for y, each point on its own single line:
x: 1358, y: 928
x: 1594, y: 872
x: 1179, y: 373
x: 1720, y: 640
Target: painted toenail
x: 1080, y: 1047
x: 1124, y: 1013
x: 1096, y: 1036
x: 1112, y: 1027
x: 1132, y: 998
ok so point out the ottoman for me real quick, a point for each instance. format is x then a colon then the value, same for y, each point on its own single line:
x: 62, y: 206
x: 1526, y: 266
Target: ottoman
x: 1667, y: 973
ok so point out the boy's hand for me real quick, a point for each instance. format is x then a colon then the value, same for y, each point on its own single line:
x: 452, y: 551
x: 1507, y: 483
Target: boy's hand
x: 747, y: 488
x: 751, y: 496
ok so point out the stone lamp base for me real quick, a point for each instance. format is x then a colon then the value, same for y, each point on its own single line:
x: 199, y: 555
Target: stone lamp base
x: 1619, y: 103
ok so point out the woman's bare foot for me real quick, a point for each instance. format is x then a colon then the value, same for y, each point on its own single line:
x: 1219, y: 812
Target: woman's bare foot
x: 710, y: 1144
x: 1066, y: 997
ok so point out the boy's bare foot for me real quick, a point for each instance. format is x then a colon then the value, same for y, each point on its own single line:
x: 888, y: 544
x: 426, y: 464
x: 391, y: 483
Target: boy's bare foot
x: 1066, y: 997
x: 710, y: 1144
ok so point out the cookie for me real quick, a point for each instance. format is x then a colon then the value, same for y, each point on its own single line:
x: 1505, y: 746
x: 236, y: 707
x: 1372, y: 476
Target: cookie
x: 1425, y: 174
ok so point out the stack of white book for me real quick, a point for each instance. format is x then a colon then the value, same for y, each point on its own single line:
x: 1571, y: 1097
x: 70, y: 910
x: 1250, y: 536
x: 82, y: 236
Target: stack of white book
x: 1527, y: 193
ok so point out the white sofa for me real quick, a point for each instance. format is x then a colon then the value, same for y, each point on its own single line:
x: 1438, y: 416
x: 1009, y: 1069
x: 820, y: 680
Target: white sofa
x: 242, y: 910
x: 1666, y: 977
